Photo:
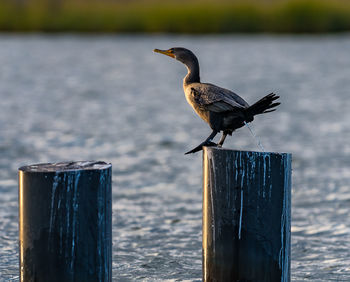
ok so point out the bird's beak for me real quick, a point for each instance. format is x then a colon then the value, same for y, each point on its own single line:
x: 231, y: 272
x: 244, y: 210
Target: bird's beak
x: 165, y: 52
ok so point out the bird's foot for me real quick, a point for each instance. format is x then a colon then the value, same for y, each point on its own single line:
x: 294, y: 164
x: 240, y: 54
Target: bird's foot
x: 200, y: 147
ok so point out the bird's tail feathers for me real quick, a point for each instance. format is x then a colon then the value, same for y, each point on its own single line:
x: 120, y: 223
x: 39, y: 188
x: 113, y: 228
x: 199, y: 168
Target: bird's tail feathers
x: 264, y: 105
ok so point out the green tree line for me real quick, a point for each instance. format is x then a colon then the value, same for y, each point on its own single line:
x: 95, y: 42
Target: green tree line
x: 193, y: 16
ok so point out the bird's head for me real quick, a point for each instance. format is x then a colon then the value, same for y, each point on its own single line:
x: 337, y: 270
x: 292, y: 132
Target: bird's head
x: 183, y: 55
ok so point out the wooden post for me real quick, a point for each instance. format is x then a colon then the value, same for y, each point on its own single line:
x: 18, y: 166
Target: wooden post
x: 246, y: 215
x: 65, y: 222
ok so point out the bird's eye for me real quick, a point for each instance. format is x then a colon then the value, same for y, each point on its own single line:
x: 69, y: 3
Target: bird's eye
x: 171, y: 50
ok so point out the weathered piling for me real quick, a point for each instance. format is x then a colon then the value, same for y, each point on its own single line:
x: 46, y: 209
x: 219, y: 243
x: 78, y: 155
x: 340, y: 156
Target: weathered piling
x: 65, y: 222
x: 246, y: 215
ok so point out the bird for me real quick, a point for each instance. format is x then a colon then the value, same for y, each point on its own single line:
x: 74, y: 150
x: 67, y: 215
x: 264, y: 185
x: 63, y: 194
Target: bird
x: 222, y: 109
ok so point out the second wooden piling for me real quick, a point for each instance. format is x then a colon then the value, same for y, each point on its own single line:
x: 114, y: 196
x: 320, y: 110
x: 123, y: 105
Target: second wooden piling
x: 246, y: 215
x: 65, y: 222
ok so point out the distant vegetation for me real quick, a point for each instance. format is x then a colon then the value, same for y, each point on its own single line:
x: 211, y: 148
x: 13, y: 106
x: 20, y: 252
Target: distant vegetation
x: 177, y: 16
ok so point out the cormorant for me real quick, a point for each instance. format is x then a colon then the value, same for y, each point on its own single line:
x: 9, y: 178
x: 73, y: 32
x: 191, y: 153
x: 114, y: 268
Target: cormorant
x: 221, y: 108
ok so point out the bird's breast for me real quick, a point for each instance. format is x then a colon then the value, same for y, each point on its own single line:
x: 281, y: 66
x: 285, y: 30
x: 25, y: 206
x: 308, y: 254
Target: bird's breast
x: 204, y: 114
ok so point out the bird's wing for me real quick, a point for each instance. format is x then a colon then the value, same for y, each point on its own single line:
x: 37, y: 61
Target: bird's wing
x: 216, y: 99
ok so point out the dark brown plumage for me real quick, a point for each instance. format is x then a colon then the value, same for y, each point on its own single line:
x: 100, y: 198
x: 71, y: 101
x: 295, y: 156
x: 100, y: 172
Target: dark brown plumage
x: 221, y: 108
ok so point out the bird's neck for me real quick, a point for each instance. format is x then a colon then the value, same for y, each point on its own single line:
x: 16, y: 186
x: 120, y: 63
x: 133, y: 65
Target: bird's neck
x: 193, y: 73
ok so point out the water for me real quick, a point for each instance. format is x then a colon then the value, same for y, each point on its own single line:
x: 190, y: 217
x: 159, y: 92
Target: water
x: 256, y: 138
x: 111, y: 98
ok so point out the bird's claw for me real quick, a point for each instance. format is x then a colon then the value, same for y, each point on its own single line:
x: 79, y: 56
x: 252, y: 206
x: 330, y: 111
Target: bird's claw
x: 200, y: 147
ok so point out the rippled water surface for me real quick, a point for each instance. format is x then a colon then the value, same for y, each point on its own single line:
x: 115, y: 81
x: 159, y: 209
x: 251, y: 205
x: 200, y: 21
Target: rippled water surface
x: 111, y: 98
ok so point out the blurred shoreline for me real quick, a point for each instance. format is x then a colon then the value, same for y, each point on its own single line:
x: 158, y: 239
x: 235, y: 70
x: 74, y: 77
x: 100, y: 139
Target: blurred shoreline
x: 192, y: 17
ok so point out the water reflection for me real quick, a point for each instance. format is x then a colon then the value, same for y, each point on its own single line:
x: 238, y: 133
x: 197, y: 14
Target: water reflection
x: 110, y: 98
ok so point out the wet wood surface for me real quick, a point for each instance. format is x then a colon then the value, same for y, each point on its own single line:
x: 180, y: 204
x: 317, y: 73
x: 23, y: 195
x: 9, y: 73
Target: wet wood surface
x: 246, y: 215
x: 65, y: 221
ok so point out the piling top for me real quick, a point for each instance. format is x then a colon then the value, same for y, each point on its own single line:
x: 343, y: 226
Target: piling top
x: 66, y: 166
x: 216, y: 149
